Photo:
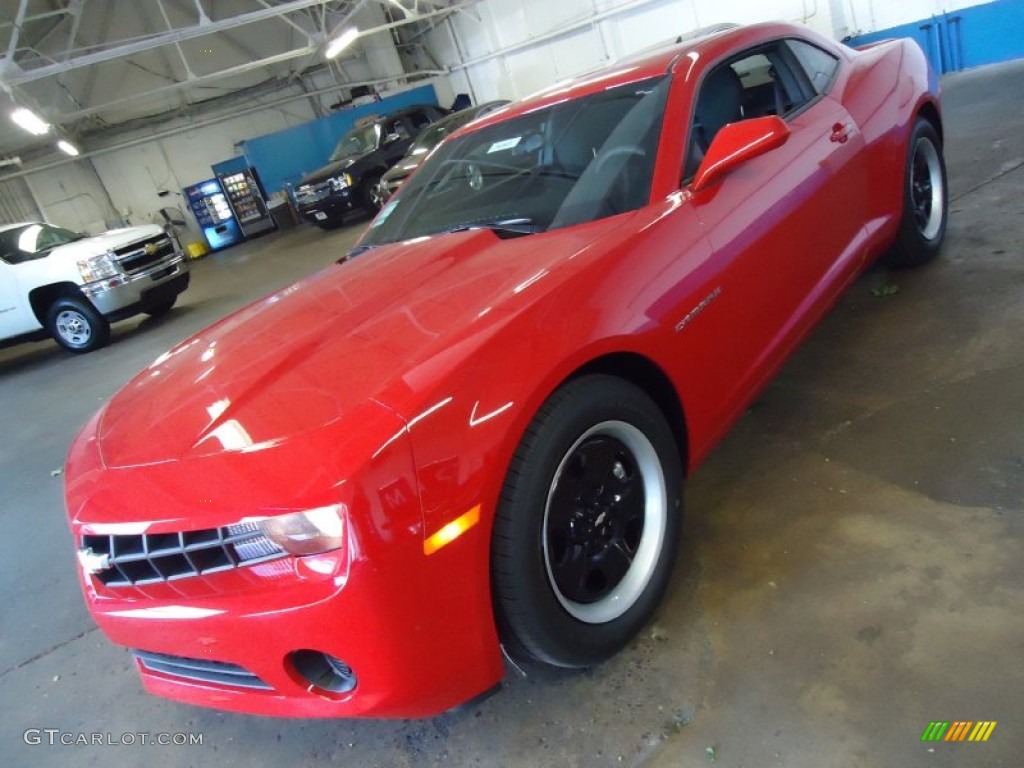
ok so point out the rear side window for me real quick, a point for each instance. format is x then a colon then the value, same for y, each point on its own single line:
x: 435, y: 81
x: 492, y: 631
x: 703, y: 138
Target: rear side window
x: 820, y: 66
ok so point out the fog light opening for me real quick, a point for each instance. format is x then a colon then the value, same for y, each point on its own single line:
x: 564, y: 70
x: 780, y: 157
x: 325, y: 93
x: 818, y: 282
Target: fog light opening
x: 323, y: 671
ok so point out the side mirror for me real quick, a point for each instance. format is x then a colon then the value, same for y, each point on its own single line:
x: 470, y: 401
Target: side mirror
x: 391, y: 138
x: 738, y: 143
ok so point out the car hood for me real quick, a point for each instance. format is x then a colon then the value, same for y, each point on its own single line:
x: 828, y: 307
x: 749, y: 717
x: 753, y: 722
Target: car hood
x: 333, y: 169
x: 376, y: 328
x: 405, y: 166
x: 105, y: 242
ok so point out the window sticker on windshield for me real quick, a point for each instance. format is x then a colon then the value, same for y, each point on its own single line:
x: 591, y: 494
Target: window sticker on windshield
x: 384, y: 213
x: 498, y: 146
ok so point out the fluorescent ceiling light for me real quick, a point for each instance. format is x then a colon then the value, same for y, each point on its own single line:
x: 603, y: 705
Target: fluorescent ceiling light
x: 341, y: 42
x: 67, y: 148
x: 30, y: 121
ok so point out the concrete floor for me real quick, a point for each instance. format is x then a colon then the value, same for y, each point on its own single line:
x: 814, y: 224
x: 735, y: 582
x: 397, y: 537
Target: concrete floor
x: 851, y: 568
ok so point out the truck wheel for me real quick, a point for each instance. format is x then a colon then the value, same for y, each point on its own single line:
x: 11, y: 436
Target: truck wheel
x: 372, y: 199
x: 77, y: 326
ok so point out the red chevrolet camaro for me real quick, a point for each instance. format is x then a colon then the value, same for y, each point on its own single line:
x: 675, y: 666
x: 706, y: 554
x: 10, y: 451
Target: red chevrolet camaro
x: 472, y: 432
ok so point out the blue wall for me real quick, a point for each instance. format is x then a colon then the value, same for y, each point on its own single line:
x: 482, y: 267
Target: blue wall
x: 971, y: 37
x: 286, y: 156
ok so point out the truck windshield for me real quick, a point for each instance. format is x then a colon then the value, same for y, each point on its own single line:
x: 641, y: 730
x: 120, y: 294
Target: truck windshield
x: 576, y: 161
x: 356, y: 142
x: 33, y: 241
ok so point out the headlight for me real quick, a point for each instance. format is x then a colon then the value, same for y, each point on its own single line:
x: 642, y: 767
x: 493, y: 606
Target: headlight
x: 97, y: 268
x: 309, y: 532
x: 339, y: 183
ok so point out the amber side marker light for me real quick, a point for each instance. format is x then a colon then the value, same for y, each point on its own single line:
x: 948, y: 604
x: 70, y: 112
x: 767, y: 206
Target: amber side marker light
x: 452, y: 531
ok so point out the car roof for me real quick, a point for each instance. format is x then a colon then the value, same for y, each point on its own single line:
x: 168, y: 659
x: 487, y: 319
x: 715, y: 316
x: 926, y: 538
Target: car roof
x: 5, y: 227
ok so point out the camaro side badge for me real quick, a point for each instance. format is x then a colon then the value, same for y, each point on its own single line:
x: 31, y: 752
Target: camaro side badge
x: 91, y: 562
x: 698, y: 309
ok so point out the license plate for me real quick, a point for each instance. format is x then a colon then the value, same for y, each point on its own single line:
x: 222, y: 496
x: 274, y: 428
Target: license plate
x: 320, y: 216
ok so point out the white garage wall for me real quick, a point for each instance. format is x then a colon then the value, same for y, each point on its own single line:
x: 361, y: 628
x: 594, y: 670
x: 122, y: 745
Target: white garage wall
x: 510, y: 48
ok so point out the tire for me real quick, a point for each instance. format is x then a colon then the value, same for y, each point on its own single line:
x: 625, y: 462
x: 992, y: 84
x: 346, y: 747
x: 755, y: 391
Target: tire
x: 77, y: 326
x: 165, y: 306
x: 370, y: 196
x: 580, y: 559
x: 925, y: 200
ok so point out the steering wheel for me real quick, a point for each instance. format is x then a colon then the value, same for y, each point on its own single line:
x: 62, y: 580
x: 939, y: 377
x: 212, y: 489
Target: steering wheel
x: 612, y: 154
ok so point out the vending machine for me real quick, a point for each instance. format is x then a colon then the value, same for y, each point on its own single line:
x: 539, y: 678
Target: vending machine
x: 243, y: 191
x: 212, y: 210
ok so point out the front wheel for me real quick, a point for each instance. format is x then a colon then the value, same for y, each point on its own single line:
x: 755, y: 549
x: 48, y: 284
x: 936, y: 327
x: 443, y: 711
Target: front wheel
x: 587, y: 526
x: 77, y: 326
x: 372, y: 196
x: 925, y: 200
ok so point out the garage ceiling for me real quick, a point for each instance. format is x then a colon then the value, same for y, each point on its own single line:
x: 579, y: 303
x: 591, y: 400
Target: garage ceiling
x: 87, y: 66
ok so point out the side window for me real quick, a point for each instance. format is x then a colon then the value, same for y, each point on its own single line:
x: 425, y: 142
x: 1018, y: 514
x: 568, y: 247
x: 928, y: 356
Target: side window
x: 820, y: 66
x: 397, y: 126
x: 419, y: 121
x: 763, y: 81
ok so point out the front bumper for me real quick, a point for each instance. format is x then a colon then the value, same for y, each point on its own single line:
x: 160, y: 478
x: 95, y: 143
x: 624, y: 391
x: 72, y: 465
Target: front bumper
x: 330, y: 207
x: 403, y: 661
x: 417, y: 630
x: 126, y: 295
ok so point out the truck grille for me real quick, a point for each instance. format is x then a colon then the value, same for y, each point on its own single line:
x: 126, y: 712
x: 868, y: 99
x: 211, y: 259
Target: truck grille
x: 155, y: 557
x: 311, y: 193
x: 200, y: 670
x: 137, y: 256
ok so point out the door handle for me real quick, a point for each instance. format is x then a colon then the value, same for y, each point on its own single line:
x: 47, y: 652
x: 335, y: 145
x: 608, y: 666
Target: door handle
x: 840, y: 133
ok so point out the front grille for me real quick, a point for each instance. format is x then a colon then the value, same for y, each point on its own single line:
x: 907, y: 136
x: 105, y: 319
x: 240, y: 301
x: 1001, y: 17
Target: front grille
x: 311, y: 193
x: 137, y: 256
x: 201, y: 670
x: 155, y: 557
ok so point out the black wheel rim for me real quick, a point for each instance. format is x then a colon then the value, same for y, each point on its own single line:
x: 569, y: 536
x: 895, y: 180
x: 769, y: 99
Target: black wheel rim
x: 926, y: 189
x: 605, y: 521
x: 595, y: 519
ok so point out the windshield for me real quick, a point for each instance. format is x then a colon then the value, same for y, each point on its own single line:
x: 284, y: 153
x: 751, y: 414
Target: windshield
x: 358, y: 141
x: 432, y: 135
x: 33, y: 241
x: 576, y: 161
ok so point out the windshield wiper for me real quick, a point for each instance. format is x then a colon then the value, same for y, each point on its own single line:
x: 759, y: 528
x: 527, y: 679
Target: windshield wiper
x: 502, y: 227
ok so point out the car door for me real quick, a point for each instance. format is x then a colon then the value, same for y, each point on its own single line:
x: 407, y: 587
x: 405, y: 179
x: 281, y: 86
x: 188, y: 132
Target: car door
x: 397, y: 138
x: 16, y: 315
x: 786, y: 228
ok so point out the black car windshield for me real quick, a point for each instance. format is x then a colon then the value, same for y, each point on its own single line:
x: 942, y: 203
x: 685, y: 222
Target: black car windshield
x: 356, y: 142
x: 33, y: 241
x: 579, y: 160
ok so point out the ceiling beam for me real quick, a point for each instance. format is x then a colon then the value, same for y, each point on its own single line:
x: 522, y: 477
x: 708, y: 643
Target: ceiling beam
x: 12, y: 74
x: 241, y: 69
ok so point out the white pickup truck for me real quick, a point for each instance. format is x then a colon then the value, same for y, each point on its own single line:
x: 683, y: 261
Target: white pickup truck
x: 72, y: 286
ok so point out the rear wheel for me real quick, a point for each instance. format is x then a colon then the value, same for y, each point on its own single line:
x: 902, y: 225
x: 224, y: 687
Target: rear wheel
x: 586, y: 530
x: 925, y: 200
x: 77, y: 326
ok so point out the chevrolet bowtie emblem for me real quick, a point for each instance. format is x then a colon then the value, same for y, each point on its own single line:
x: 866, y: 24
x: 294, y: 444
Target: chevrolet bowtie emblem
x: 93, y: 563
x: 151, y: 249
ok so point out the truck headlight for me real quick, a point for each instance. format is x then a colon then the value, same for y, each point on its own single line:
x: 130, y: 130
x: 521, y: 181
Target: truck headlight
x: 96, y: 268
x: 339, y: 183
x: 309, y: 532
